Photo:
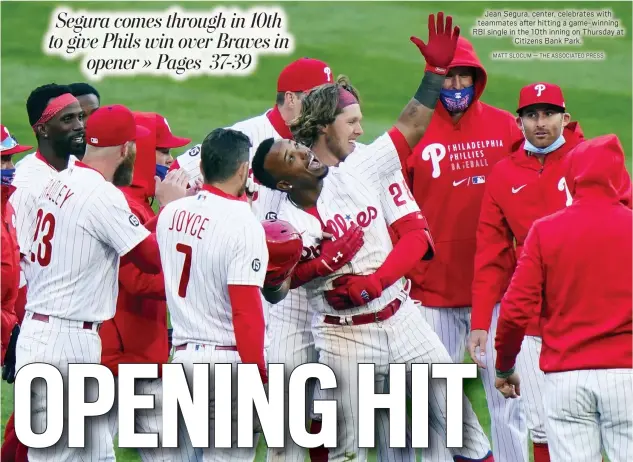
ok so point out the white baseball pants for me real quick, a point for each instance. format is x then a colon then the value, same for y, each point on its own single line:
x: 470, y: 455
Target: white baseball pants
x: 589, y: 410
x: 61, y: 342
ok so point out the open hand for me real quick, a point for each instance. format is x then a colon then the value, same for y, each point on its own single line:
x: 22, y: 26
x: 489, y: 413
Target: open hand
x: 441, y: 46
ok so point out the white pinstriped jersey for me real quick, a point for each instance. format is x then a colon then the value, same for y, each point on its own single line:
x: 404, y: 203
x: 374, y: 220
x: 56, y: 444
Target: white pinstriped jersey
x: 31, y: 175
x: 396, y: 201
x: 353, y: 192
x: 208, y: 242
x: 83, y: 226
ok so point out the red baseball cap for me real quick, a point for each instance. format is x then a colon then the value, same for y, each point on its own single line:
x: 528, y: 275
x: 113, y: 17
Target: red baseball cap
x: 541, y: 93
x: 164, y: 136
x: 304, y: 74
x: 112, y: 126
x: 9, y: 145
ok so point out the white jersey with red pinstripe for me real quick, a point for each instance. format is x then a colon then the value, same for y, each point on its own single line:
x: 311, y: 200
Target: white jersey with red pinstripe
x: 208, y: 242
x: 32, y: 173
x: 83, y: 225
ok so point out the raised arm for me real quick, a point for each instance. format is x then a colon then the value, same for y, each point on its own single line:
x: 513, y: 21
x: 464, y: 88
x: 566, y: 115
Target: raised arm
x: 438, y: 53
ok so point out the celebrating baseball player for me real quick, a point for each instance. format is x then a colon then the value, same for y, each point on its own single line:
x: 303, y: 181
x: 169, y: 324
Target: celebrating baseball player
x: 207, y: 257
x: 294, y: 80
x: 584, y: 315
x: 364, y: 306
x: 88, y: 97
x: 447, y: 175
x: 165, y: 142
x: 83, y: 226
x: 527, y: 185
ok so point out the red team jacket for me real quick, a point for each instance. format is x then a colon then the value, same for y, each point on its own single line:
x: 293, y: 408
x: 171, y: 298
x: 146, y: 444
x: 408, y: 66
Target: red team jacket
x: 138, y: 332
x: 10, y: 268
x: 576, y: 272
x: 447, y: 172
x: 519, y: 190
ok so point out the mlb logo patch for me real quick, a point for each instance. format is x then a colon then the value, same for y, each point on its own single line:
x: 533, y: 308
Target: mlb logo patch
x: 478, y: 179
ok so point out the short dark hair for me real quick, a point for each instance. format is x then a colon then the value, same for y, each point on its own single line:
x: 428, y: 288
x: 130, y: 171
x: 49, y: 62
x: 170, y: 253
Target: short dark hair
x: 222, y: 153
x: 257, y: 165
x: 82, y: 88
x: 39, y: 98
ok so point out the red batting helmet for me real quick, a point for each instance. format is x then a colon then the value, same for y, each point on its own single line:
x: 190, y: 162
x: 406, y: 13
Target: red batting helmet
x: 284, y: 250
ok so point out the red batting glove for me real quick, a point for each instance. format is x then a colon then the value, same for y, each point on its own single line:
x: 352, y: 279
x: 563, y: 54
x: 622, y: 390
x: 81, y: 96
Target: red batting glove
x: 350, y: 291
x: 334, y: 255
x: 440, y: 50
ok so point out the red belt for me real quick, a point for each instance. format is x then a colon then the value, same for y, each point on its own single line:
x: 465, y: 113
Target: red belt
x: 217, y: 347
x: 45, y: 318
x: 367, y: 318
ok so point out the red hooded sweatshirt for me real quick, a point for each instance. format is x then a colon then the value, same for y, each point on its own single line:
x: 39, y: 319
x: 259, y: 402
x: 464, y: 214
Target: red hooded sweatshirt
x: 447, y: 172
x: 518, y: 191
x: 138, y: 332
x: 10, y: 268
x: 575, y: 272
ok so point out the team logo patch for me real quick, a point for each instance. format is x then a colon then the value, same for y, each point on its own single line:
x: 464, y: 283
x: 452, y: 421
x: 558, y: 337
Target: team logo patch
x: 365, y: 295
x: 271, y: 216
x: 256, y: 265
x: 134, y: 221
x: 193, y: 152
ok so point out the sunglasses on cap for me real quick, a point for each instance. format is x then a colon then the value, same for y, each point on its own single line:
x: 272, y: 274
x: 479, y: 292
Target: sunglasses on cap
x: 8, y: 143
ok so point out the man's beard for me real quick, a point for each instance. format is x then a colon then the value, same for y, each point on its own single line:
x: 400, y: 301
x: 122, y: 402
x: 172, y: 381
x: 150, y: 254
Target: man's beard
x: 335, y: 148
x: 65, y: 147
x: 124, y: 172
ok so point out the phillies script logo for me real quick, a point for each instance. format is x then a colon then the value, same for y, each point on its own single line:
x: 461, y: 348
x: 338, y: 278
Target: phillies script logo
x: 341, y: 224
x: 434, y: 152
x: 310, y: 252
x: 539, y: 89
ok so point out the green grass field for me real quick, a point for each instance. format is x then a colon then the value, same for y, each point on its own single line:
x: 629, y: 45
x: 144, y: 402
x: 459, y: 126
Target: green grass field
x: 367, y: 41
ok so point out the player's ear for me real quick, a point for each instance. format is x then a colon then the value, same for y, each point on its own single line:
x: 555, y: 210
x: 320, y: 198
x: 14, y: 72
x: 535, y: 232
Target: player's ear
x: 519, y: 122
x: 41, y: 130
x: 283, y: 185
x: 566, y: 119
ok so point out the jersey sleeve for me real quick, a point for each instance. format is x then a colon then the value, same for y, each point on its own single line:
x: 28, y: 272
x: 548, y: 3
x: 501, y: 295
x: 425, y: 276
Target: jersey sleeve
x: 249, y: 256
x: 111, y: 221
x: 381, y: 158
x: 396, y: 198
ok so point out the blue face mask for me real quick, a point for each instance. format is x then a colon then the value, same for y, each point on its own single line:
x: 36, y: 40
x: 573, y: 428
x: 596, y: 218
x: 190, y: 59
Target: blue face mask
x: 161, y: 171
x: 546, y: 150
x: 7, y: 176
x: 457, y: 100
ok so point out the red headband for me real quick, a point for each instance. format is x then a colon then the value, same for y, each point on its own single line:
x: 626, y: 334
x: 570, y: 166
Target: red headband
x: 345, y: 98
x: 55, y: 106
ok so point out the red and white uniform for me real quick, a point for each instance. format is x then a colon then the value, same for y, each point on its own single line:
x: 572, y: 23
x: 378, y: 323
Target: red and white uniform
x: 447, y: 173
x: 352, y: 193
x: 584, y: 315
x: 10, y: 268
x: 83, y: 226
x: 204, y: 257
x: 519, y: 190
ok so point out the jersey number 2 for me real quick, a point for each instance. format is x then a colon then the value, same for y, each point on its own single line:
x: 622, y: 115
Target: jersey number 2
x: 186, y: 269
x: 46, y: 225
x: 396, y: 191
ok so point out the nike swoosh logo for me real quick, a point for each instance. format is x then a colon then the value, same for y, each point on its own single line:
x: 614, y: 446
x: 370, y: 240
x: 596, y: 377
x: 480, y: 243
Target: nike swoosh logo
x: 516, y: 190
x: 457, y: 183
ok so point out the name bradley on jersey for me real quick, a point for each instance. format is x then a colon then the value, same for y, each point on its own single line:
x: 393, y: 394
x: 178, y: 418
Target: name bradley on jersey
x: 56, y: 191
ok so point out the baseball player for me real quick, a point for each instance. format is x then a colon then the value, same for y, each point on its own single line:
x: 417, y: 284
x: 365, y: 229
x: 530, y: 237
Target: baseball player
x: 364, y: 311
x: 138, y: 332
x: 294, y: 80
x: 447, y: 173
x: 83, y: 227
x: 220, y: 260
x: 10, y: 276
x: 400, y: 210
x: 527, y: 185
x: 165, y: 142
x: 584, y: 314
x: 88, y: 97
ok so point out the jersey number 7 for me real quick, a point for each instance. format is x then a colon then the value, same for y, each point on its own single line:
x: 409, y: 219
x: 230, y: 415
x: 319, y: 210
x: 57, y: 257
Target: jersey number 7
x: 186, y: 269
x: 44, y: 224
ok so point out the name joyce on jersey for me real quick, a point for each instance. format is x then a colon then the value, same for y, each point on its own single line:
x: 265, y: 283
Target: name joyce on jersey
x: 269, y: 403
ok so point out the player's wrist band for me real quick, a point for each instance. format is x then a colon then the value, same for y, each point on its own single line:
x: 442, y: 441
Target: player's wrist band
x: 429, y: 90
x: 504, y: 375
